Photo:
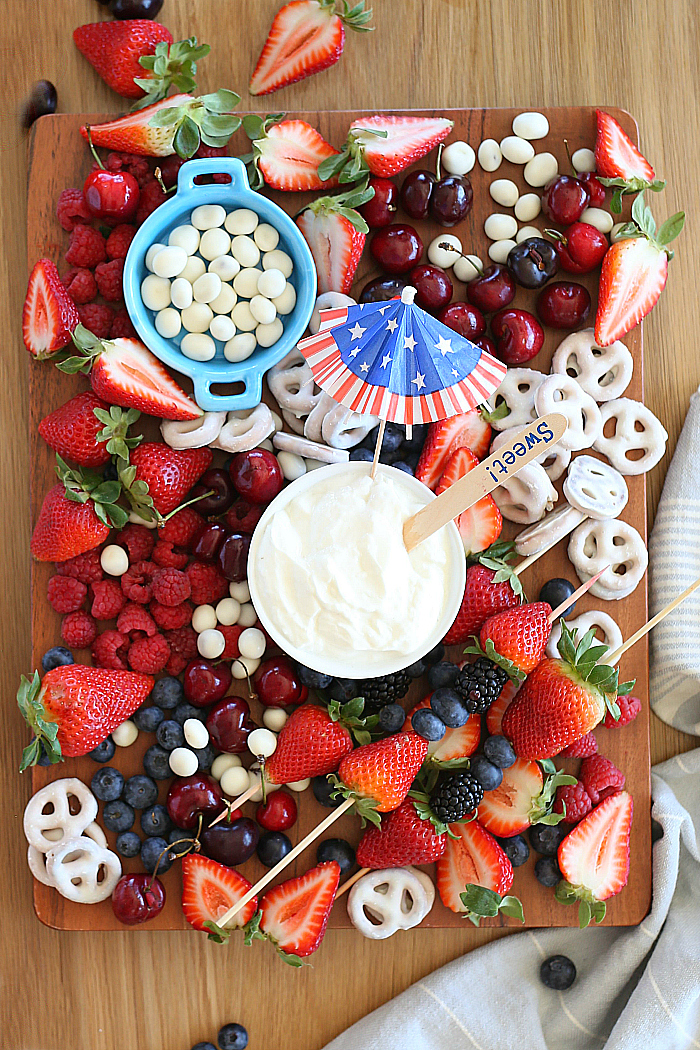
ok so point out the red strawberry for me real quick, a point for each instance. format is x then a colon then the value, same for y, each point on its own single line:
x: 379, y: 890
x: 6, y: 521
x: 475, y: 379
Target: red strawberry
x: 465, y: 431
x: 210, y: 889
x: 403, y: 838
x: 616, y: 156
x: 483, y: 597
x: 455, y: 743
x: 294, y: 915
x: 74, y: 708
x: 474, y: 858
x: 494, y: 715
x: 481, y: 524
x: 135, y: 133
x: 114, y: 50
x: 49, y: 314
x: 595, y: 857
x: 310, y: 744
x: 305, y: 37
x: 287, y: 154
x: 386, y: 144
x: 75, y: 431
x: 169, y: 473
x: 522, y: 798
x: 380, y: 774
x: 66, y: 528
x: 516, y: 638
x: 335, y: 233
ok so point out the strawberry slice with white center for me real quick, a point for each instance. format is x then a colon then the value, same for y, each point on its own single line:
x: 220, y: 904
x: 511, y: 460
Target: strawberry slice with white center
x: 335, y: 233
x: 294, y: 915
x: 616, y: 156
x: 494, y: 715
x: 287, y: 153
x: 595, y: 857
x: 522, y: 798
x: 472, y: 858
x: 469, y: 430
x: 481, y: 524
x: 49, y: 314
x: 210, y: 889
x: 455, y: 743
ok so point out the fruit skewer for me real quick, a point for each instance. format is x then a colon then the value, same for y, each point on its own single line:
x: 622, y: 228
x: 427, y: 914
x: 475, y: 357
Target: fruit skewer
x: 614, y: 657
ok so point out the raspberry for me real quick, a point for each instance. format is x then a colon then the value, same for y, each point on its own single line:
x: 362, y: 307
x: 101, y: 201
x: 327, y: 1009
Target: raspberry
x: 231, y: 633
x: 108, y: 600
x: 171, y: 587
x: 137, y: 581
x: 134, y: 618
x: 151, y: 196
x: 169, y: 169
x: 66, y: 594
x: 80, y: 285
x: 170, y: 617
x: 109, y: 280
x: 576, y: 799
x: 71, y: 209
x: 138, y: 540
x: 149, y: 655
x: 183, y: 640
x: 211, y: 151
x: 97, y: 318
x: 181, y: 529
x: 581, y: 748
x: 110, y: 650
x: 601, y: 777
x: 176, y: 664
x: 243, y: 516
x: 207, y: 583
x: 78, y: 629
x: 629, y: 706
x: 135, y: 164
x: 165, y: 555
x: 122, y: 327
x: 119, y: 240
x: 86, y: 248
x: 84, y: 567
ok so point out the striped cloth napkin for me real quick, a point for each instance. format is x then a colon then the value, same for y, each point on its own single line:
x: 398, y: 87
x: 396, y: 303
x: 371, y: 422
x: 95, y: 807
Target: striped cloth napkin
x: 674, y: 563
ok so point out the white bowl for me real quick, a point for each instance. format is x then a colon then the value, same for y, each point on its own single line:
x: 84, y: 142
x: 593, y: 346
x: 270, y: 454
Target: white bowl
x: 352, y: 666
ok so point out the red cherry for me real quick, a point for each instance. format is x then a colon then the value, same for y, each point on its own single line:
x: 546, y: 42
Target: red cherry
x: 563, y: 304
x: 233, y: 556
x: 416, y: 191
x: 137, y: 898
x: 218, y: 482
x: 493, y: 290
x: 207, y: 542
x: 111, y: 195
x: 582, y: 249
x: 464, y: 319
x: 519, y: 336
x: 231, y: 841
x: 397, y: 248
x: 205, y: 682
x: 596, y: 189
x: 379, y: 211
x: 278, y: 813
x: 244, y: 516
x: 278, y: 684
x: 486, y: 343
x: 433, y: 286
x: 256, y: 475
x: 229, y: 724
x: 564, y: 199
x: 190, y: 796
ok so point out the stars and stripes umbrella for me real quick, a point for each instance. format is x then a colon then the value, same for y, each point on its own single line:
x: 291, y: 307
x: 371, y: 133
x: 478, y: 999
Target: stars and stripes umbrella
x: 395, y: 361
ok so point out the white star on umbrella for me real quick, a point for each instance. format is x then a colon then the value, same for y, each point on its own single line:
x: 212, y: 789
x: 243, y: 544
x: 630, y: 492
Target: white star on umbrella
x: 355, y: 351
x: 364, y: 367
x: 357, y: 332
x: 381, y: 310
x: 392, y: 325
x: 444, y: 346
x: 419, y: 381
x: 455, y: 373
x: 409, y: 343
x: 385, y: 360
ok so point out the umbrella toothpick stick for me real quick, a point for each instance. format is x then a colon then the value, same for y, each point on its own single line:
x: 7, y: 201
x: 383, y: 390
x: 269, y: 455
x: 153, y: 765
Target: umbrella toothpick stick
x: 378, y: 448
x: 349, y: 883
x: 614, y: 657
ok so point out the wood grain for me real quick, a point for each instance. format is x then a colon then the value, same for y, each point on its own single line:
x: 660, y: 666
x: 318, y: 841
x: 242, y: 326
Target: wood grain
x: 158, y: 992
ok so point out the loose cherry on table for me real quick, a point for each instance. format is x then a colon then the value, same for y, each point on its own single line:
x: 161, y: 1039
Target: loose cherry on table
x: 221, y: 497
x: 278, y: 684
x: 533, y: 262
x: 492, y: 290
x: 581, y: 249
x: 190, y: 796
x: 433, y: 286
x: 485, y: 342
x: 564, y: 199
x: 205, y: 682
x: 206, y: 544
x: 416, y: 191
x: 137, y: 898
x: 233, y: 556
x: 278, y: 813
x: 519, y: 335
x: 244, y: 516
x: 379, y: 211
x: 451, y: 200
x: 229, y: 724
x: 381, y: 289
x: 596, y: 189
x: 563, y: 304
x: 397, y: 248
x: 231, y: 842
x: 110, y: 195
x: 464, y: 319
x: 256, y: 475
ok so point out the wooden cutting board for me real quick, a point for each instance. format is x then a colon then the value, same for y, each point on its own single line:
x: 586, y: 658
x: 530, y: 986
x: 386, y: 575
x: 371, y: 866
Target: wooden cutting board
x: 59, y: 159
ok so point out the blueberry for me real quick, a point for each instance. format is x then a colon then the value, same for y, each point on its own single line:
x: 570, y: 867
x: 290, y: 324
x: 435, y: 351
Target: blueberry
x: 184, y: 711
x: 118, y: 816
x: 401, y: 464
x: 322, y: 789
x: 140, y: 791
x: 488, y: 775
x: 59, y: 656
x: 104, y: 751
x: 435, y: 655
x: 657, y: 832
x: 557, y: 591
x: 427, y: 724
x: 547, y: 871
x: 43, y: 759
x: 135, y: 8
x: 313, y: 679
x: 205, y: 757
x: 156, y: 762
x: 153, y: 848
x: 128, y: 844
x: 182, y: 838
x: 43, y: 99
x: 272, y: 847
x: 361, y: 455
x: 442, y: 674
x: 449, y: 707
x: 499, y: 751
x: 203, y: 1046
x: 394, y: 437
x: 558, y: 972
x: 170, y: 735
x: 167, y: 693
x: 147, y: 719
x: 387, y: 457
x: 391, y: 718
x: 338, y: 850
x: 107, y: 784
x: 110, y: 472
x: 155, y: 820
x: 516, y: 849
x: 416, y: 670
x: 343, y: 689
x: 232, y: 1037
x: 545, y: 838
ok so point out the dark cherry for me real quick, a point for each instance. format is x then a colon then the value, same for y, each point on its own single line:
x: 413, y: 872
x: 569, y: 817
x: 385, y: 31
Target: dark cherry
x: 416, y: 191
x: 231, y: 842
x: 207, y: 543
x: 381, y: 289
x: 42, y: 100
x: 596, y: 189
x: 582, y: 249
x: 135, y: 8
x: 493, y: 290
x: 137, y: 898
x: 223, y: 495
x: 169, y: 169
x: 190, y: 796
x: 256, y: 475
x: 533, y: 262
x: 233, y: 556
x: 205, y: 682
x: 564, y: 198
x: 379, y: 211
x: 518, y: 335
x: 244, y: 516
x: 279, y: 813
x: 229, y: 724
x: 433, y: 286
x: 563, y: 304
x: 397, y: 248
x: 451, y: 200
x: 464, y: 319
x: 486, y: 343
x: 277, y: 683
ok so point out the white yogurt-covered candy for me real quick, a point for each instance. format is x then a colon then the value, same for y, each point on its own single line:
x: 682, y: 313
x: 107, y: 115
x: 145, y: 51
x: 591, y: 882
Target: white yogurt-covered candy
x: 114, y: 560
x: 244, y: 665
x: 530, y: 125
x: 234, y: 781
x: 602, y: 220
x: 223, y: 762
x: 499, y: 227
x: 183, y: 762
x: 489, y: 154
x: 198, y: 347
x: 206, y: 288
x: 467, y: 267
x: 262, y: 743
x: 243, y: 318
x: 504, y: 192
x: 240, y: 347
x: 528, y: 207
x: 196, y: 733
x: 291, y: 465
x: 443, y: 256
x: 185, y: 237
x: 151, y: 254
x: 214, y: 244
x: 278, y: 260
x: 181, y: 293
x: 299, y: 785
x: 615, y: 232
x: 266, y: 444
x: 208, y: 216
x: 253, y: 642
x: 262, y: 309
x: 245, y: 250
x: 525, y: 232
x: 211, y: 643
x: 247, y: 616
x: 266, y: 237
x: 268, y: 334
x: 458, y: 158
x: 197, y: 317
x: 222, y: 328
x: 167, y: 322
x: 271, y: 283
x: 240, y: 591
x: 275, y: 718
x: 517, y: 150
x: 225, y: 267
x: 500, y: 250
x: 241, y: 220
x: 195, y: 268
x: 541, y: 169
x: 285, y: 303
x: 204, y: 618
x: 583, y: 160
x: 228, y: 611
x: 155, y: 292
x: 170, y: 261
x: 225, y: 300
x: 125, y: 734
x: 245, y: 283
x: 277, y: 420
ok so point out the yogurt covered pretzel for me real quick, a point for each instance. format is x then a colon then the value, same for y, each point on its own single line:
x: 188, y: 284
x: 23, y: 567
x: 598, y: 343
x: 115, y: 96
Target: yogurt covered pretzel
x: 82, y: 871
x: 548, y: 532
x: 395, y: 898
x: 612, y: 543
x: 604, y: 372
x: 561, y: 393
x: 595, y: 488
x: 291, y: 382
x: 246, y: 429
x: 526, y: 496
x: 612, y: 635
x: 554, y: 460
x: 518, y: 392
x: 48, y: 818
x: 337, y: 425
x: 650, y: 440
x: 37, y: 860
x: 193, y: 433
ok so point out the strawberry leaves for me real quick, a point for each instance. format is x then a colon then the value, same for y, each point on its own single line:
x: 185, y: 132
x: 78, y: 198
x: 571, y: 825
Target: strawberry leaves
x: 624, y: 186
x: 344, y: 204
x: 481, y: 902
x: 115, y: 431
x: 643, y: 224
x: 541, y: 811
x: 207, y: 119
x: 497, y: 557
x: 350, y: 716
x: 252, y: 932
x: 173, y: 65
x: 45, y: 732
x: 256, y: 129
x: 84, y: 485
x: 589, y: 909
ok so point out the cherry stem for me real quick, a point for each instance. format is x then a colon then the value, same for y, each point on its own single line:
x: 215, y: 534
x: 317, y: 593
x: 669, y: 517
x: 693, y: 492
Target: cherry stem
x: 92, y: 148
x: 438, y: 170
x: 252, y: 695
x: 162, y: 520
x: 159, y: 179
x: 451, y: 248
x: 194, y: 846
x: 568, y: 154
x: 556, y: 235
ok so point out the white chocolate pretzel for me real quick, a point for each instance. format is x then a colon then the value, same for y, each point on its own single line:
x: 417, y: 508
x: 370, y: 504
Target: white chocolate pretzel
x: 291, y: 382
x: 555, y: 459
x: 604, y: 372
x: 650, y: 440
x: 612, y: 543
x: 383, y: 902
x: 328, y: 301
x: 37, y: 860
x: 192, y: 433
x: 595, y: 488
x: 561, y: 393
x: 612, y: 635
x: 48, y: 818
x: 246, y: 429
x: 549, y: 531
x: 301, y: 446
x: 82, y: 871
x: 526, y: 496
x: 518, y: 392
x: 337, y: 425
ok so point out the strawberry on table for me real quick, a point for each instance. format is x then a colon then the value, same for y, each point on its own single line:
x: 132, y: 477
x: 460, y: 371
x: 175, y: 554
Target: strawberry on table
x: 335, y: 233
x: 385, y: 145
x: 378, y: 775
x: 471, y: 858
x: 469, y: 430
x: 49, y: 315
x: 454, y: 745
x: 404, y: 837
x: 516, y: 638
x: 294, y: 915
x: 83, y: 429
x: 481, y: 524
x: 313, y: 741
x: 286, y: 154
x: 491, y: 586
x: 169, y: 473
x: 114, y: 50
x: 619, y: 163
x: 209, y: 889
x: 74, y: 708
x: 523, y: 798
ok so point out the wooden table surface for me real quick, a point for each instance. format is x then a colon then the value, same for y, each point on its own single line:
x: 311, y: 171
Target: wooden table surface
x: 151, y: 991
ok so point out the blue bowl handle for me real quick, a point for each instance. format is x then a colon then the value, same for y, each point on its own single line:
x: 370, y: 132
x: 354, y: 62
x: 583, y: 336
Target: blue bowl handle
x: 213, y: 166
x: 248, y: 398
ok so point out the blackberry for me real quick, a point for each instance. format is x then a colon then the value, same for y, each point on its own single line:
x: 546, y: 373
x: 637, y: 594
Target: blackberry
x: 479, y: 684
x: 387, y: 689
x: 456, y: 796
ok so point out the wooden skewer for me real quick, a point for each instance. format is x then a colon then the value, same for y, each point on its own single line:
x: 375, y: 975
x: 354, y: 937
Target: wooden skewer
x: 614, y: 657
x: 349, y: 883
x: 378, y: 448
x: 575, y: 596
x: 248, y: 793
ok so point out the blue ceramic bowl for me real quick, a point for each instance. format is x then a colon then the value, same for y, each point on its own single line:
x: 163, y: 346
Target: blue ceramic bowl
x: 157, y: 227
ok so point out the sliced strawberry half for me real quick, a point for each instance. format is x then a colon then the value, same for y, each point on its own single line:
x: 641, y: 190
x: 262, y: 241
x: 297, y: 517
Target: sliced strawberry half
x: 335, y: 233
x: 522, y: 798
x: 287, y: 154
x: 210, y: 889
x: 390, y: 143
x: 616, y: 156
x: 294, y: 915
x: 472, y: 858
x: 456, y: 743
x: 632, y: 278
x: 494, y: 715
x: 49, y: 315
x: 469, y: 430
x: 481, y: 524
